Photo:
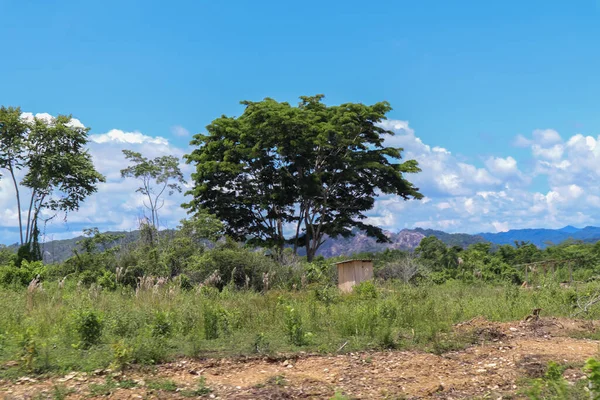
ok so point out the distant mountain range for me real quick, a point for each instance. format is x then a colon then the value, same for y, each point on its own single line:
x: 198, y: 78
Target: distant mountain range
x: 544, y: 237
x: 407, y: 239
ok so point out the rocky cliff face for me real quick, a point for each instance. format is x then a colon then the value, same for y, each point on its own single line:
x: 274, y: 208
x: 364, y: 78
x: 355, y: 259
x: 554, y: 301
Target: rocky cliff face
x: 407, y: 239
x: 404, y: 240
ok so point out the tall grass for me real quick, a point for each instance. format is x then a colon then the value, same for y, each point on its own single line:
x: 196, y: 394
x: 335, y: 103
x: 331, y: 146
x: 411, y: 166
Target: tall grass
x: 56, y: 329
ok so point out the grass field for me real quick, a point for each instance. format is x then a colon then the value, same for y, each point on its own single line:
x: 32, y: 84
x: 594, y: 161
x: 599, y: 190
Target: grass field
x: 55, y: 330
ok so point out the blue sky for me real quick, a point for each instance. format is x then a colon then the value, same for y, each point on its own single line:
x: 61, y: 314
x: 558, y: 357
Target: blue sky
x: 466, y: 77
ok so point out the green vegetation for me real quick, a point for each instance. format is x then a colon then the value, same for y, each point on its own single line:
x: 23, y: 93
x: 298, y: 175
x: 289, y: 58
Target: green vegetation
x: 57, y: 329
x: 157, y: 176
x: 316, y: 167
x: 58, y: 170
x: 552, y: 385
x: 228, y: 281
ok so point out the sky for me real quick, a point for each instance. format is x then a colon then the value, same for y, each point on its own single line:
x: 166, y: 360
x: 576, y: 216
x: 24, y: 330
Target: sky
x: 498, y: 101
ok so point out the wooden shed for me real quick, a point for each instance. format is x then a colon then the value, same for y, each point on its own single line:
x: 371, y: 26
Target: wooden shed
x: 351, y: 272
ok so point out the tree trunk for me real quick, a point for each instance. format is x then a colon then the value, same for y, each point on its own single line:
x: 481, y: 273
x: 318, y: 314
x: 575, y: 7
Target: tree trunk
x: 12, y: 174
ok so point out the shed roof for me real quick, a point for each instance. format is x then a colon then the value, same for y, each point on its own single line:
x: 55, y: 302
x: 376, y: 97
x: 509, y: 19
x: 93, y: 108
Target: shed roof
x: 355, y: 259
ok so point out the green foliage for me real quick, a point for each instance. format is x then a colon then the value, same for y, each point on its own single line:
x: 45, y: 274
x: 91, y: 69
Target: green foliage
x: 160, y: 175
x: 23, y: 275
x: 315, y: 166
x: 294, y: 328
x: 29, y: 351
x: 260, y: 345
x: 158, y: 323
x: 88, y: 326
x: 365, y: 290
x: 108, y: 280
x: 211, y: 323
x: 122, y: 355
x: 339, y: 396
x: 592, y: 369
x: 59, y: 173
x: 162, y: 325
x: 166, y: 385
x: 239, y: 266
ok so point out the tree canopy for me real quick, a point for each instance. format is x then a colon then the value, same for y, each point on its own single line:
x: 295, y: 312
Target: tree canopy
x: 282, y: 174
x: 49, y: 158
x: 158, y: 175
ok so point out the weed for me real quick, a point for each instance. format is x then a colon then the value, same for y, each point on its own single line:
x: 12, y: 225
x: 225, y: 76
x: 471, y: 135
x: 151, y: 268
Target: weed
x: 29, y: 351
x: 260, y: 345
x: 592, y: 369
x: 88, y: 326
x: 165, y: 385
x: 122, y: 355
x: 211, y: 323
x: 60, y: 392
x: 339, y: 396
x: 294, y: 328
x: 103, y: 389
x: 162, y: 326
x: 278, y: 380
x: 365, y: 290
x: 201, y: 389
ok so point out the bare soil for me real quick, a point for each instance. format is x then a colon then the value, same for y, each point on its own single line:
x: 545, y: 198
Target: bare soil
x: 505, y: 353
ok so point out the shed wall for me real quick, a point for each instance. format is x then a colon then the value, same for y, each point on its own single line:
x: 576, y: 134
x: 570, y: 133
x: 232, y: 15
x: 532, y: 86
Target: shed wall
x: 352, y: 273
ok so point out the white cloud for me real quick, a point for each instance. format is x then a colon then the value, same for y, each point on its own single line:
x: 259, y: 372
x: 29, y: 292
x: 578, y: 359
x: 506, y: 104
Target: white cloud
x: 461, y: 195
x: 118, y: 136
x: 522, y: 141
x: 553, y: 153
x: 180, y: 131
x: 116, y: 205
x: 546, y: 137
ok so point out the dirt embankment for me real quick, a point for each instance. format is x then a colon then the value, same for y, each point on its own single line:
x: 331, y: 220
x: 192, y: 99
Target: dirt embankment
x: 506, y: 352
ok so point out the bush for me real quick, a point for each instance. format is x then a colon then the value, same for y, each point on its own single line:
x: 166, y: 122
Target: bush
x: 294, y: 328
x: 365, y: 290
x: 88, y: 326
x: 162, y: 326
x: 108, y: 280
x: 211, y: 323
x: 28, y: 271
x: 238, y: 266
x: 406, y: 269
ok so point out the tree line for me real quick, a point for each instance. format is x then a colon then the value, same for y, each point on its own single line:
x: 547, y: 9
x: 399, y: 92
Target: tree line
x: 276, y: 176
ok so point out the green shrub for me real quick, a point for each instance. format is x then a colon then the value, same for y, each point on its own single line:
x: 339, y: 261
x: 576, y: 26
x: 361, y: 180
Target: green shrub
x: 238, y: 266
x: 162, y: 326
x: 108, y: 280
x: 89, y: 277
x: 294, y: 328
x: 21, y: 276
x: 88, y: 326
x: 122, y: 355
x: 211, y: 323
x: 365, y: 290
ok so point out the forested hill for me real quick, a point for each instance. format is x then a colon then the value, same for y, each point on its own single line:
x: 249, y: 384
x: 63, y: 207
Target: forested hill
x: 407, y: 239
x: 59, y: 250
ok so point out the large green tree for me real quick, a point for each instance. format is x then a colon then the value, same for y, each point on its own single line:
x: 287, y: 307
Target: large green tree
x: 282, y: 174
x: 49, y: 165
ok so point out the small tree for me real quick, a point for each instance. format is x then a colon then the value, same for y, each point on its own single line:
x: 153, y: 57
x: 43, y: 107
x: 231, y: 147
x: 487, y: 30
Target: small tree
x: 160, y: 175
x: 55, y: 166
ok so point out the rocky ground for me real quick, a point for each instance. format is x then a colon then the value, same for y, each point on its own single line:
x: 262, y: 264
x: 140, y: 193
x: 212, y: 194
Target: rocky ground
x: 505, y: 354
